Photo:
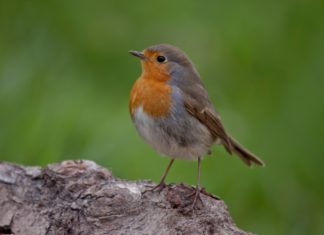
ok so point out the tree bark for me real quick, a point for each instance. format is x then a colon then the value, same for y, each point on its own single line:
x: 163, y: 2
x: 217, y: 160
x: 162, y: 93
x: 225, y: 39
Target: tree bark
x: 80, y: 197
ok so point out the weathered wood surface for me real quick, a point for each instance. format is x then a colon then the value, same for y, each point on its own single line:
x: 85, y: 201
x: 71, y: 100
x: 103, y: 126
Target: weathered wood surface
x: 80, y: 197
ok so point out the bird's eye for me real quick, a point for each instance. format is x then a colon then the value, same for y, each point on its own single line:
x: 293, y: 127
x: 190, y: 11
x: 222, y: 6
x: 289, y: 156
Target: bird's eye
x: 160, y: 59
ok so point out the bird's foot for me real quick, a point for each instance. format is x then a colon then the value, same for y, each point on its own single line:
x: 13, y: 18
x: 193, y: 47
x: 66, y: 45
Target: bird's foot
x: 197, y: 202
x: 197, y: 199
x: 157, y: 188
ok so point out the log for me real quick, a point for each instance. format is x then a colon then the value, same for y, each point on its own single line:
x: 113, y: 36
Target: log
x: 81, y: 197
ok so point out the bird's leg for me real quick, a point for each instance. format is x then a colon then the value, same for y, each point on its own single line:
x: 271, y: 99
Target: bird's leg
x: 197, y: 193
x: 160, y: 186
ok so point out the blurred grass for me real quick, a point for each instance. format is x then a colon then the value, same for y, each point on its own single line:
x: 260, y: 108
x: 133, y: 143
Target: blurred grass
x: 65, y: 75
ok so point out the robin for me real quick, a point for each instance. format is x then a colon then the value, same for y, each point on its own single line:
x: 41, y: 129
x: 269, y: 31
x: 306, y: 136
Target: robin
x: 170, y: 108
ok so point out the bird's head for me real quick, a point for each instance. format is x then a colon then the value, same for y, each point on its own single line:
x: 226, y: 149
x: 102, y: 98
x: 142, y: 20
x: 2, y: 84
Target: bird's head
x: 163, y: 61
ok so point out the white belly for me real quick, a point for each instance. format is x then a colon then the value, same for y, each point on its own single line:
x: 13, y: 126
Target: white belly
x: 172, y: 136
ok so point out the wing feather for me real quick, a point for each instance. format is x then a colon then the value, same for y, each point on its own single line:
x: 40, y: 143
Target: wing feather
x: 211, y: 120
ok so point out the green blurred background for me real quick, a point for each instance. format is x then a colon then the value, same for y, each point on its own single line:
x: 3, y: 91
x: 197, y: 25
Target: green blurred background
x: 65, y: 77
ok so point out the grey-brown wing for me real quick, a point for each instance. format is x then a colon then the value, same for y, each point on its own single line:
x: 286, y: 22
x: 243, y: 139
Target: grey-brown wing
x: 197, y: 103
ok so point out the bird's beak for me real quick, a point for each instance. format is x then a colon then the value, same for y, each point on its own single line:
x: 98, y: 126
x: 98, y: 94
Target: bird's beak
x: 138, y: 54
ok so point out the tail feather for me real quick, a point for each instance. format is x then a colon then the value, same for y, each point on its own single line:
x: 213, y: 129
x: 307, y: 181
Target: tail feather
x: 245, y: 155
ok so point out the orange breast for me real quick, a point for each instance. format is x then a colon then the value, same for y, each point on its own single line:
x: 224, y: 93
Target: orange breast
x: 152, y: 94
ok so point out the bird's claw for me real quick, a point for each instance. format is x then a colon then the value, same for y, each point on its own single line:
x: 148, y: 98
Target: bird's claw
x: 157, y: 188
x: 197, y: 202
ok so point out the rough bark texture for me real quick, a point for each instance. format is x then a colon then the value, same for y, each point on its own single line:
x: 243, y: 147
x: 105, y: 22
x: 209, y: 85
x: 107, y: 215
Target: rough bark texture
x: 80, y: 197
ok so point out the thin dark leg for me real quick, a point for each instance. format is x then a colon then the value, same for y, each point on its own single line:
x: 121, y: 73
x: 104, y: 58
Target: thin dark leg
x: 197, y: 194
x: 166, y: 171
x: 162, y: 185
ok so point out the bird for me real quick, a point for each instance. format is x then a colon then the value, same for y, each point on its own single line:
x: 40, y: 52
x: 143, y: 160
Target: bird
x: 171, y: 110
